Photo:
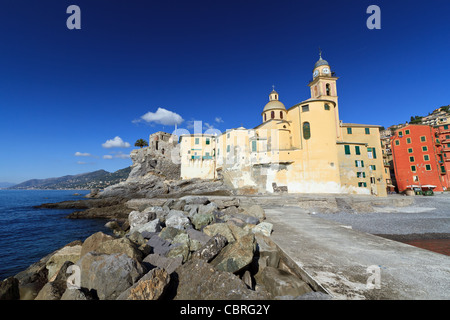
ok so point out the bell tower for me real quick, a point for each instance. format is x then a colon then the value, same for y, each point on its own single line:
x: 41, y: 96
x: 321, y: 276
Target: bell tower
x: 323, y: 84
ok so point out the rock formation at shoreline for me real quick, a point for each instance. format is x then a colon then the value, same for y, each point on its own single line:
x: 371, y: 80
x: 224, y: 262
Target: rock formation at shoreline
x: 188, y: 248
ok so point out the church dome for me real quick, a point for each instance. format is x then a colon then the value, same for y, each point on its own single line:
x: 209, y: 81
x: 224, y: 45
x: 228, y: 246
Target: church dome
x: 321, y: 62
x: 274, y: 103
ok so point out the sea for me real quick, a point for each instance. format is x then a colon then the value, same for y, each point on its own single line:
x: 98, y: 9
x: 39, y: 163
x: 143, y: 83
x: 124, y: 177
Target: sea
x: 28, y: 234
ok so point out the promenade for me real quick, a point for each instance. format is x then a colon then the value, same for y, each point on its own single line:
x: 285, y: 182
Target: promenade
x: 349, y: 264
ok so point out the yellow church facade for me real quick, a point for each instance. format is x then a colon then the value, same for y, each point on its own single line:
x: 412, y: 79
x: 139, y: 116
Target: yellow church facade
x: 303, y: 149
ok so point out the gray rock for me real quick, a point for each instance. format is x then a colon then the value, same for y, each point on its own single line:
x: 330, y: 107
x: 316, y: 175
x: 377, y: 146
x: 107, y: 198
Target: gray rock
x: 198, y: 280
x: 265, y: 247
x: 151, y: 226
x: 246, y: 218
x: 9, y: 289
x: 263, y: 227
x: 177, y: 219
x: 109, y: 274
x: 195, y: 200
x: 191, y: 209
x: 212, y: 248
x: 75, y: 294
x: 159, y: 245
x: 207, y: 209
x: 236, y: 255
x: 198, y: 236
x: 55, y: 289
x: 67, y: 253
x: 219, y: 228
x: 157, y: 261
x: 136, y: 218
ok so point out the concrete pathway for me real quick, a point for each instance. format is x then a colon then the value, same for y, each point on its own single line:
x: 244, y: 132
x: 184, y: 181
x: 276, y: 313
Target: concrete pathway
x: 349, y: 264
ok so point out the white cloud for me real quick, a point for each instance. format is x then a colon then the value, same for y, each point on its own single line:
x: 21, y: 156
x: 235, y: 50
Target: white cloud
x: 82, y: 154
x: 117, y: 142
x: 218, y: 119
x: 118, y: 155
x: 162, y: 116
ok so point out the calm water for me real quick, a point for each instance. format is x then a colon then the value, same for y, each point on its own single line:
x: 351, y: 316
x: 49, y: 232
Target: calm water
x: 28, y: 234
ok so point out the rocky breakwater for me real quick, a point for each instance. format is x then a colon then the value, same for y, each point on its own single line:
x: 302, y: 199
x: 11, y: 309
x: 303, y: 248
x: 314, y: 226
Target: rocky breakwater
x: 184, y: 249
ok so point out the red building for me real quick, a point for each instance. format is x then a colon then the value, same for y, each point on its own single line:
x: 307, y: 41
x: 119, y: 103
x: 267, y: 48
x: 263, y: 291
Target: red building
x: 442, y: 133
x: 416, y: 154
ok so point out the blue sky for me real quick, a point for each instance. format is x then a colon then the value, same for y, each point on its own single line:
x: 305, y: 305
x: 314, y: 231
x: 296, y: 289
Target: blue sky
x: 65, y: 93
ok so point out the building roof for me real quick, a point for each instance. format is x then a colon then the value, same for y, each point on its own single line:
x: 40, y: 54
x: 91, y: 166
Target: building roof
x: 274, y: 105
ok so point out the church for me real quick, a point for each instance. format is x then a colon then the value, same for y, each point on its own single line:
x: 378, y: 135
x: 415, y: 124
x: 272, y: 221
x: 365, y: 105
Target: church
x: 305, y: 148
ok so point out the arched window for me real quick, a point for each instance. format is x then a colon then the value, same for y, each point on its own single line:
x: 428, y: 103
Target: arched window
x: 265, y: 117
x: 328, y: 89
x: 306, y: 130
x: 272, y: 114
x: 281, y: 114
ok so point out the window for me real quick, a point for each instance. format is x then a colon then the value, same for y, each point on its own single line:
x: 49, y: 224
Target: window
x: 424, y: 148
x: 254, y: 146
x: 372, y: 167
x: 428, y: 167
x: 328, y: 89
x: 305, y: 108
x: 207, y: 141
x: 446, y: 127
x: 362, y: 184
x: 228, y: 148
x: 447, y: 136
x: 228, y: 135
x: 197, y: 140
x: 411, y: 159
x: 408, y: 140
x: 281, y: 114
x: 413, y: 168
x: 400, y: 134
x: 426, y: 157
x: 349, y: 130
x: 357, y: 151
x: 359, y: 163
x: 306, y: 130
x: 423, y: 138
x: 327, y: 106
x: 448, y: 145
x: 367, y: 130
x: 397, y: 142
x: 406, y: 131
x: 265, y: 117
x: 360, y: 174
x: 442, y: 169
x: 272, y: 114
x: 347, y: 149
x: 410, y: 150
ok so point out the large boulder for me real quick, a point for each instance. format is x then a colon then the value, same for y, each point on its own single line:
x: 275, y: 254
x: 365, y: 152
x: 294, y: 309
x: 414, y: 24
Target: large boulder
x: 151, y: 226
x: 255, y: 211
x: 267, y: 251
x: 53, y: 290
x: 9, y: 289
x: 67, y: 253
x: 212, y: 248
x: 236, y: 255
x: 198, y: 280
x: 282, y: 283
x: 121, y: 245
x: 152, y: 286
x: 137, y: 218
x: 219, y: 228
x: 92, y: 242
x: 159, y: 245
x: 264, y: 227
x: 109, y: 274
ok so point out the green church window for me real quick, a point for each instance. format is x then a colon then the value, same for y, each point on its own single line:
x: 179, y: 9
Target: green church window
x: 306, y: 130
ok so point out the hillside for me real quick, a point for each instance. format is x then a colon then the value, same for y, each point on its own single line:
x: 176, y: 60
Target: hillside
x: 96, y: 179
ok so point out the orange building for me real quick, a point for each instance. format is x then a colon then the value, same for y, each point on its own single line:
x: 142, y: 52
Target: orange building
x: 416, y: 156
x: 442, y: 133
